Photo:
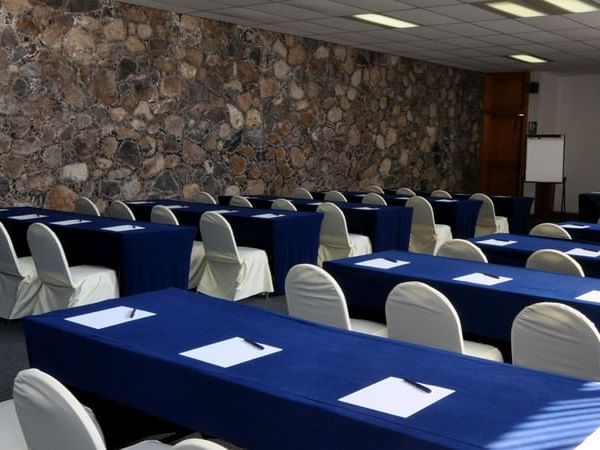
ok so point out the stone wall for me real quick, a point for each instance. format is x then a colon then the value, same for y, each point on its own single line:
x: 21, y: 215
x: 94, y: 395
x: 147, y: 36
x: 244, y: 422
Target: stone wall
x: 113, y: 101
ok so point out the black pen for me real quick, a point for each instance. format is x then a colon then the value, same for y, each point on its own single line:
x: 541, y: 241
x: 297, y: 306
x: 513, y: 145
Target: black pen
x: 491, y: 275
x: 392, y: 260
x: 417, y: 385
x: 254, y: 344
x: 589, y: 250
x: 501, y: 240
x: 132, y: 313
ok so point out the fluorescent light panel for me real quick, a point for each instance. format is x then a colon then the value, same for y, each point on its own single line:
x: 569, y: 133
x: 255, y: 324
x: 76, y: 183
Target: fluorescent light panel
x: 384, y: 20
x: 528, y: 59
x: 515, y: 9
x: 573, y: 6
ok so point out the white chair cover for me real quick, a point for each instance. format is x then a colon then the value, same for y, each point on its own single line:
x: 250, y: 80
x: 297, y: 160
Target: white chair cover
x: 335, y: 242
x: 406, y: 191
x: 120, y: 210
x: 376, y: 189
x: 487, y: 220
x: 550, y: 260
x: 373, y: 198
x: 64, y: 286
x: 551, y: 230
x: 335, y: 196
x: 205, y: 197
x: 425, y: 235
x: 440, y: 193
x: 19, y: 281
x: 301, y: 192
x: 461, y: 249
x: 415, y: 312
x: 238, y: 200
x: 162, y: 214
x: 556, y: 338
x: 198, y: 444
x: 284, y: 204
x: 229, y: 271
x: 11, y: 436
x: 312, y: 294
x: 84, y: 205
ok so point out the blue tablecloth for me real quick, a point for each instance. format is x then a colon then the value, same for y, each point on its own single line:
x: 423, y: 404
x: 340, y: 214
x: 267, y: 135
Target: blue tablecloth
x: 288, y: 240
x: 589, y: 206
x: 387, y: 227
x: 515, y: 209
x: 589, y: 234
x: 486, y: 311
x: 516, y: 254
x: 289, y: 400
x: 145, y: 260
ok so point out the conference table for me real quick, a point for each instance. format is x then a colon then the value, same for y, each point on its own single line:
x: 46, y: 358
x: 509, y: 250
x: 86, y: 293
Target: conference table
x: 288, y: 237
x: 589, y: 207
x: 514, y: 249
x: 484, y: 310
x: 582, y: 231
x: 387, y: 227
x: 146, y: 256
x: 292, y: 399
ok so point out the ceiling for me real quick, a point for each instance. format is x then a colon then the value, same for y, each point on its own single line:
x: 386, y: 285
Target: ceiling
x: 453, y: 32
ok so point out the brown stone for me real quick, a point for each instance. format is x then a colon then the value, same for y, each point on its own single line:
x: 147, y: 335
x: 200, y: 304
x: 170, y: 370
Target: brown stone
x: 335, y: 114
x: 296, y: 56
x: 191, y: 192
x: 134, y: 44
x: 253, y: 118
x: 103, y: 86
x: 194, y: 57
x: 193, y: 154
x: 17, y: 6
x: 237, y: 165
x: 174, y: 125
x: 12, y: 167
x: 245, y: 101
x: 115, y: 30
x: 269, y: 87
x: 153, y: 166
x: 188, y: 71
x: 297, y: 157
x: 27, y: 25
x: 247, y: 72
x: 37, y: 181
x: 255, y: 187
x: 144, y: 31
x: 172, y: 86
x: 308, y: 119
x: 79, y: 45
x: 61, y: 198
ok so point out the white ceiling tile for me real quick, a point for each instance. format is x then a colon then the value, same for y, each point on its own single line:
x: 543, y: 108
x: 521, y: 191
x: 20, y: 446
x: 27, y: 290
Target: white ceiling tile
x: 590, y: 19
x: 222, y: 17
x: 465, y: 29
x: 507, y: 26
x: 428, y: 33
x: 430, y: 3
x: 468, y: 13
x: 390, y: 35
x: 251, y: 15
x: 328, y: 7
x: 502, y: 39
x: 342, y: 23
x: 541, y: 37
x: 376, y: 5
x: 421, y: 17
x: 551, y: 23
x: 572, y: 46
x: 304, y: 27
x: 433, y: 44
x: 467, y: 42
x: 288, y: 11
x: 580, y: 34
x: 199, y: 5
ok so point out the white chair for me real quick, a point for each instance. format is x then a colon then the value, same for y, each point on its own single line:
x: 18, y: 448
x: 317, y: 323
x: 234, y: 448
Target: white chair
x: 440, y: 193
x: 238, y: 200
x: 19, y: 281
x: 334, y: 241
x: 198, y: 444
x: 229, y: 271
x: 550, y: 230
x: 426, y: 236
x: 162, y: 214
x: 550, y: 260
x: 11, y: 436
x: 119, y: 210
x: 415, y: 312
x: 64, y: 286
x: 461, y: 249
x: 334, y: 196
x: 372, y: 198
x: 406, y: 192
x: 301, y: 192
x: 205, y: 197
x: 556, y: 338
x: 314, y: 295
x: 84, y: 205
x: 284, y: 204
x: 376, y: 189
x: 487, y: 220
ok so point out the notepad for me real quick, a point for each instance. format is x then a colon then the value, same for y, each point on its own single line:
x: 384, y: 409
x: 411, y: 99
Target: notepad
x: 28, y: 216
x: 445, y: 200
x: 176, y: 206
x: 366, y: 208
x: 315, y: 203
x: 120, y: 228
x: 268, y: 216
x: 401, y: 198
x: 360, y: 195
x: 70, y: 222
x: 496, y: 242
x: 396, y: 397
x: 381, y: 263
x: 575, y: 226
x: 583, y: 252
x: 230, y: 352
x: 140, y: 202
x: 224, y: 211
x: 591, y: 296
x: 483, y: 279
x: 109, y: 317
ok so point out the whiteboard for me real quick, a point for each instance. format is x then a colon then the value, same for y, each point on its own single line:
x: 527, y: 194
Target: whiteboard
x: 545, y: 159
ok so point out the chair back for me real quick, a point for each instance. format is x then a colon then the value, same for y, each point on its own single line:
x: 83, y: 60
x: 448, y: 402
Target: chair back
x: 422, y: 217
x: 48, y: 256
x: 197, y: 444
x: 238, y: 200
x: 162, y: 214
x: 9, y: 264
x: 461, y: 249
x: 312, y: 294
x: 334, y: 231
x: 301, y: 192
x: 487, y: 213
x: 205, y: 197
x: 335, y: 196
x: 119, y: 210
x: 552, y: 230
x: 406, y: 191
x: 440, y: 193
x: 51, y: 417
x: 415, y: 312
x: 376, y: 189
x: 550, y: 260
x: 84, y: 205
x: 372, y: 198
x: 557, y: 338
x: 218, y: 238
x: 283, y: 203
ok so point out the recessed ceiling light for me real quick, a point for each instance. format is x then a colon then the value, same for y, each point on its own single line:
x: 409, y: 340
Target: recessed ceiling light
x: 528, y: 59
x: 384, y: 20
x: 515, y: 9
x: 573, y: 6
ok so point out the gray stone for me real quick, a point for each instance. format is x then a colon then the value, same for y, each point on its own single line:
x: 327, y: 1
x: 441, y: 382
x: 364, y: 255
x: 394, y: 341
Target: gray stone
x: 77, y: 172
x: 165, y: 183
x: 129, y: 154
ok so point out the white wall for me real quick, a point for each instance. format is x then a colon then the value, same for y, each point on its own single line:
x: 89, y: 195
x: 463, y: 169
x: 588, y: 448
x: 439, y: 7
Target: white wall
x: 570, y: 105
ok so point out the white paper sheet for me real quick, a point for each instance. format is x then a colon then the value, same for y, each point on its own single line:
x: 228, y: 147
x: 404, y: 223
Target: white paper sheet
x: 583, y: 252
x: 496, y: 242
x: 446, y: 200
x: 381, y: 263
x: 268, y: 216
x: 3, y: 209
x: 109, y: 317
x: 396, y: 397
x: 224, y: 211
x: 360, y: 195
x: 230, y: 352
x: 140, y: 202
x: 119, y: 228
x: 483, y: 279
x: 315, y: 203
x: 590, y: 296
x: 28, y: 216
x: 401, y: 197
x: 70, y: 222
x: 176, y: 206
x: 366, y: 208
x: 574, y: 226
